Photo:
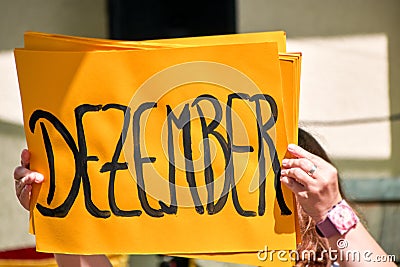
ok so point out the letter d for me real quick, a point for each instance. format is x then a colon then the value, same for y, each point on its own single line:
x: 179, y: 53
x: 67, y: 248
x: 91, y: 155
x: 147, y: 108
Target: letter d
x: 260, y: 253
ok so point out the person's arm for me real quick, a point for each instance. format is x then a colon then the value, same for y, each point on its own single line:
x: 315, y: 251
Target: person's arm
x: 24, y: 178
x: 315, y: 184
x: 66, y: 260
x: 358, y: 240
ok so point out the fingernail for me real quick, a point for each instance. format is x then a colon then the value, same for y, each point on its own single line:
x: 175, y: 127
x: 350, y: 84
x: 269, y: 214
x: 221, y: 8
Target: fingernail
x: 283, y: 172
x: 39, y: 178
x: 285, y: 161
x: 284, y: 180
x: 291, y: 147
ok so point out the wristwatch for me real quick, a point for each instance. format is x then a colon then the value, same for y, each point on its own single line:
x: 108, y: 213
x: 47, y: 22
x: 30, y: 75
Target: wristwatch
x: 339, y: 220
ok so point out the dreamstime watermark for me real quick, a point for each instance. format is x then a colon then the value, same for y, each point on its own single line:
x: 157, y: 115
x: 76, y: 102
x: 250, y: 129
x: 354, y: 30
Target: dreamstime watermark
x: 342, y: 254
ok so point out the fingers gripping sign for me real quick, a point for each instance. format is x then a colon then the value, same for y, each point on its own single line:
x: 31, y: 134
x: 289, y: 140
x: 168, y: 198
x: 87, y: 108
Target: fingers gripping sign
x: 313, y: 180
x: 24, y: 178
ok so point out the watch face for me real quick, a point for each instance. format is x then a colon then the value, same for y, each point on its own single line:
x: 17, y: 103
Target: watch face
x: 343, y: 217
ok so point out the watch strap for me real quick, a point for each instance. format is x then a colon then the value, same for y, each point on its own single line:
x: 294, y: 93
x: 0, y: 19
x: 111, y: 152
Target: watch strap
x: 339, y: 220
x: 326, y: 228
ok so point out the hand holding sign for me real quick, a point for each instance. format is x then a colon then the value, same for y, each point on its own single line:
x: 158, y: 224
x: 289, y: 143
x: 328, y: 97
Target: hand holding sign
x: 24, y: 178
x: 317, y: 192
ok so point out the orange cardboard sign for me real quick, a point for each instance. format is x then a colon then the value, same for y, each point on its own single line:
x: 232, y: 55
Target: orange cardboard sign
x: 165, y: 147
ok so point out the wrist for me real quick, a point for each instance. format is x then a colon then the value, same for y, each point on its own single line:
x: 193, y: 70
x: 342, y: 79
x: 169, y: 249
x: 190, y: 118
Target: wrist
x: 338, y: 221
x: 323, y: 213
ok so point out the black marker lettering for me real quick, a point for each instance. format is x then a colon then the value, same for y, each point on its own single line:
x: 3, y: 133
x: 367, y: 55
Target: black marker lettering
x: 84, y: 158
x: 230, y: 170
x: 209, y: 175
x: 263, y: 135
x: 139, y: 160
x: 183, y: 122
x: 50, y: 161
x: 63, y: 209
x: 115, y: 166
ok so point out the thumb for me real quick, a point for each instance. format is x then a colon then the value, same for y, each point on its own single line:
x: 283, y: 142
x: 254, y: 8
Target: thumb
x: 25, y: 158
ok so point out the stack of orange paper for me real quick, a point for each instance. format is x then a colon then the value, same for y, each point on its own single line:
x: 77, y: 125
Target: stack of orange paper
x: 162, y: 147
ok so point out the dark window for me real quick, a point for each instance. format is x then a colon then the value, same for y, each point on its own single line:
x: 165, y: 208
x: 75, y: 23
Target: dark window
x: 157, y: 19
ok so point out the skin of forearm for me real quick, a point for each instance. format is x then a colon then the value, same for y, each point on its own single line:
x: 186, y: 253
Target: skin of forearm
x: 360, y: 249
x: 65, y: 260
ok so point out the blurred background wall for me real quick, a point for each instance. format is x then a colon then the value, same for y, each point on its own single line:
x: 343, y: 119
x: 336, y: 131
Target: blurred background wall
x: 350, y: 95
x: 76, y: 17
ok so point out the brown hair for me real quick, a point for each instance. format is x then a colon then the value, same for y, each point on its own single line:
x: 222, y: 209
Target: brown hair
x: 311, y: 241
